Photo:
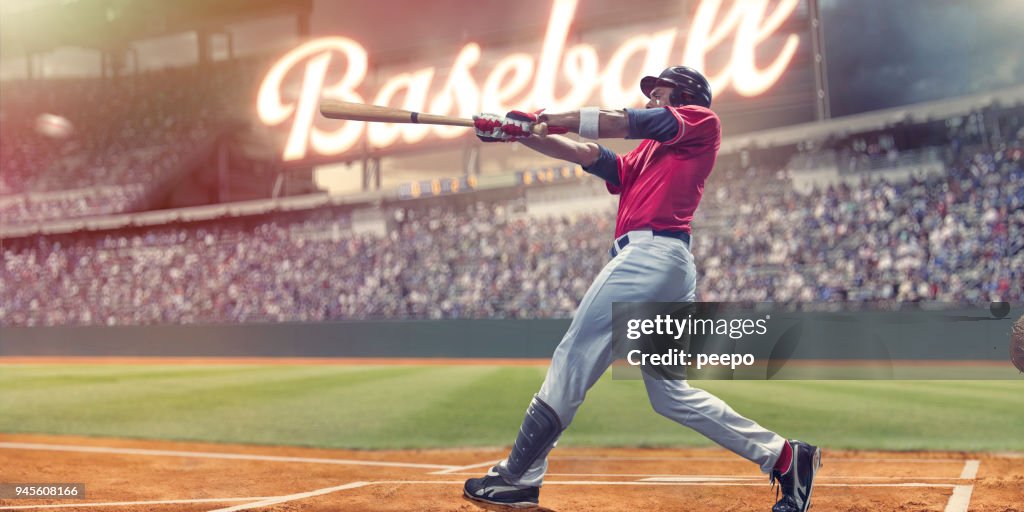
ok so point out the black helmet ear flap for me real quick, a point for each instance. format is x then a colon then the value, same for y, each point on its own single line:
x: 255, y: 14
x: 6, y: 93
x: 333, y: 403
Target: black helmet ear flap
x: 679, y: 97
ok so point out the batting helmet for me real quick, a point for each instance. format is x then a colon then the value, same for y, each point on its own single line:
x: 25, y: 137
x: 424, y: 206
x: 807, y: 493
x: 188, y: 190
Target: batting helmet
x: 682, y: 80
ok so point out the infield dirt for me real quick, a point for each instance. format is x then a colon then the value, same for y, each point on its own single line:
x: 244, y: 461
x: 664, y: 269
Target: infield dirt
x: 142, y: 475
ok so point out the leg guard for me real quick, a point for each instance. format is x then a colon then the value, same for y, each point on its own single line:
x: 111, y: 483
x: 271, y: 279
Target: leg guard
x: 541, y: 429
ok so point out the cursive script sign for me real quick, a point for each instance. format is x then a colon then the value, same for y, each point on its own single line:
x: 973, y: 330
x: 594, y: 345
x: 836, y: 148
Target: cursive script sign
x: 517, y: 80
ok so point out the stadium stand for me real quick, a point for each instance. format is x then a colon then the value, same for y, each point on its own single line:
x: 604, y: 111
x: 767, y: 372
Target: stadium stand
x: 130, y: 137
x: 956, y: 237
x: 932, y: 210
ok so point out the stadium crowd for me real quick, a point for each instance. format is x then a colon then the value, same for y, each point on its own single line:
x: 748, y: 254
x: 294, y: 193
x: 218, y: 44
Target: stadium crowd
x: 106, y: 200
x: 955, y: 237
x: 436, y: 264
x: 130, y: 132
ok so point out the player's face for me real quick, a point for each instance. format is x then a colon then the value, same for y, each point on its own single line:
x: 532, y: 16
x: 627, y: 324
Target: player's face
x: 659, y: 97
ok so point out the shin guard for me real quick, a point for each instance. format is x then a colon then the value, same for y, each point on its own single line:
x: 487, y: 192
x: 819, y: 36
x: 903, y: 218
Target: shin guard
x: 541, y: 429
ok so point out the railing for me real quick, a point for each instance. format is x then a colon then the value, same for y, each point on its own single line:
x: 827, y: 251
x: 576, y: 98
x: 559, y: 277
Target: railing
x: 848, y: 161
x: 45, y: 206
x: 866, y: 163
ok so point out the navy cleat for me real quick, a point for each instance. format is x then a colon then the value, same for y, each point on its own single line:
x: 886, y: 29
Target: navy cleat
x: 797, y: 482
x: 495, y: 490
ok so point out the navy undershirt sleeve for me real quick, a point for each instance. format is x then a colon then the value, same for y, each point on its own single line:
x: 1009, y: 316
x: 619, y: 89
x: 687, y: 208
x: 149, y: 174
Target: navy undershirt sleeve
x: 605, y: 167
x: 652, y: 123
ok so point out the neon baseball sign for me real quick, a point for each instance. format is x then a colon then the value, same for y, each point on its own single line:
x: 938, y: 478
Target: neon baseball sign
x: 518, y: 80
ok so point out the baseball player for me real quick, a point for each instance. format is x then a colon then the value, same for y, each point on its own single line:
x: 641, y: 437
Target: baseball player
x: 660, y: 184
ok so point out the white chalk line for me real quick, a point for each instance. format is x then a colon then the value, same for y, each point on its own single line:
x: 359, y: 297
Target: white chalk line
x: 721, y: 477
x: 629, y: 475
x: 961, y: 499
x: 292, y: 497
x: 709, y: 478
x: 676, y: 481
x: 456, y: 470
x: 970, y: 471
x: 130, y: 503
x: 960, y: 492
x: 643, y: 483
x: 696, y: 479
x: 354, y: 485
x: 216, y: 455
x: 739, y: 460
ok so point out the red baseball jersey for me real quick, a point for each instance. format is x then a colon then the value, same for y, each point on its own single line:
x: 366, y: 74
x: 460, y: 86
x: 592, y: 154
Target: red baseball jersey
x: 662, y: 183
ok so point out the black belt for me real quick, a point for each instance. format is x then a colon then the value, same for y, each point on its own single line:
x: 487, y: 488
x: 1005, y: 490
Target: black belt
x: 681, y: 235
x: 621, y: 242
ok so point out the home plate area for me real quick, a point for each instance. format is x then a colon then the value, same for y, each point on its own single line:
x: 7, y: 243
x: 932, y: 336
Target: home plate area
x: 161, y: 476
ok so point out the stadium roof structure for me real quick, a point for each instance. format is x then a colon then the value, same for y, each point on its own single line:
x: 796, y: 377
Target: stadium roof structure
x: 35, y: 26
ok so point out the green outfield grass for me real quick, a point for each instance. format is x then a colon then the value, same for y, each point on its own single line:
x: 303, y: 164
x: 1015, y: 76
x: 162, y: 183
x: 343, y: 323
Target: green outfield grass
x: 450, y: 406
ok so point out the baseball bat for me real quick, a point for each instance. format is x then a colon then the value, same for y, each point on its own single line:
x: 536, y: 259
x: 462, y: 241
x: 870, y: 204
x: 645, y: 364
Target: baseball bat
x: 334, y: 109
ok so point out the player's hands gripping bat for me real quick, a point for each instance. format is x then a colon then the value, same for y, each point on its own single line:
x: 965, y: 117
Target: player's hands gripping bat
x: 514, y: 126
x: 488, y: 128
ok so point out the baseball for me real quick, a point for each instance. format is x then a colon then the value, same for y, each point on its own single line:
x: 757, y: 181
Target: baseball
x: 53, y: 126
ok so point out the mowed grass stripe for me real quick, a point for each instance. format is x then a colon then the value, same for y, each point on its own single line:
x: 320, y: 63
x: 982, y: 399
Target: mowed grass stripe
x: 618, y: 413
x: 176, y: 407
x: 437, y: 406
x: 890, y: 414
x: 261, y: 411
x: 845, y: 413
x: 68, y: 404
x: 137, y: 386
x: 479, y: 408
x: 40, y: 377
x: 924, y: 398
x: 320, y: 406
x: 361, y: 416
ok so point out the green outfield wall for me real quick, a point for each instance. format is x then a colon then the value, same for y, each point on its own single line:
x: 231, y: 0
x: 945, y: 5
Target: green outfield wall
x: 414, y: 338
x: 945, y: 335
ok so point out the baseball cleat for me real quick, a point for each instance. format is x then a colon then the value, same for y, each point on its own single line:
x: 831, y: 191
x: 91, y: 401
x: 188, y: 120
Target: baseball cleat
x: 797, y: 482
x: 495, y: 490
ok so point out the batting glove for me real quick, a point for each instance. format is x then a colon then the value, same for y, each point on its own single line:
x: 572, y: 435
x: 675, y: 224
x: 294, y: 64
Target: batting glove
x: 520, y: 125
x: 489, y: 128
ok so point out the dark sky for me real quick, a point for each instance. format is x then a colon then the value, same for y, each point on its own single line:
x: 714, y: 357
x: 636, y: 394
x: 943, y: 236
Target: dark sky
x: 886, y: 53
x: 881, y: 53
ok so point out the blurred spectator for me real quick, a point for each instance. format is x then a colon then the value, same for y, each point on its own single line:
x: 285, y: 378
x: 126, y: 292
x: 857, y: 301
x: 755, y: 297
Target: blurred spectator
x: 956, y: 237
x: 134, y: 132
x: 950, y: 238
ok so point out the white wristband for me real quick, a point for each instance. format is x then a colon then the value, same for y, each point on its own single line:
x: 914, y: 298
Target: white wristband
x: 589, y: 121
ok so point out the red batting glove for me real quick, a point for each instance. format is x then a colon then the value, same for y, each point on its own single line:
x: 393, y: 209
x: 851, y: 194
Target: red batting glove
x: 519, y: 125
x: 489, y: 128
